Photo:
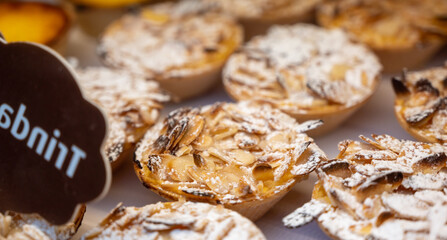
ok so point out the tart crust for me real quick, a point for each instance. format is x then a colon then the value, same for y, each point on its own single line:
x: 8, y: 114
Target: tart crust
x: 421, y: 103
x: 246, y: 156
x: 380, y: 188
x: 175, y: 220
x: 181, y: 45
x: 32, y: 226
x: 131, y: 103
x: 404, y: 34
x: 305, y: 71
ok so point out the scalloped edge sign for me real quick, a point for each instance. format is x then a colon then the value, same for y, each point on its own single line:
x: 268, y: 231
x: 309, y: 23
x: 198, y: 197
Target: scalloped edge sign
x: 51, y: 137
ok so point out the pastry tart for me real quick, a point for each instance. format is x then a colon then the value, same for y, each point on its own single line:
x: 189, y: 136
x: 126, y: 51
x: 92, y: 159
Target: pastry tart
x: 176, y: 221
x: 402, y: 33
x: 180, y: 45
x: 381, y: 188
x: 421, y: 103
x: 16, y: 226
x: 246, y: 156
x: 257, y: 16
x: 35, y: 22
x: 131, y: 104
x: 305, y: 71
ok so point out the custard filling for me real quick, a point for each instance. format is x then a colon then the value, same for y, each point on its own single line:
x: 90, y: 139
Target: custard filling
x: 34, y: 22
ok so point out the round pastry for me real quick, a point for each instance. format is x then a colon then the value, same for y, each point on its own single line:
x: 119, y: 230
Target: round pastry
x: 402, y: 33
x: 421, y: 103
x: 180, y: 45
x: 381, y: 188
x: 14, y: 226
x: 176, y: 221
x: 35, y: 22
x: 131, y: 104
x: 305, y: 71
x: 258, y: 16
x: 246, y: 156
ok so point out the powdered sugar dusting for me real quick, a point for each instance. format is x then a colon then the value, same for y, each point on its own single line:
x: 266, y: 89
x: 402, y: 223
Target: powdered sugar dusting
x: 305, y: 214
x: 231, y: 152
x: 15, y: 226
x: 168, y: 40
x: 303, y: 67
x: 401, y: 197
x: 179, y: 220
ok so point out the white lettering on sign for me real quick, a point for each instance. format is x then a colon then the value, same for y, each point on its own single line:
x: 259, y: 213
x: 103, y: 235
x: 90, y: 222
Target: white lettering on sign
x: 38, y: 139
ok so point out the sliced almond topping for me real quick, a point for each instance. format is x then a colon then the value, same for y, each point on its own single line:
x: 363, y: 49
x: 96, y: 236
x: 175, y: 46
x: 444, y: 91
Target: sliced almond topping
x: 379, y: 183
x: 203, y: 142
x: 229, y: 150
x: 432, y: 163
x: 178, y: 167
x: 384, y: 188
x: 224, y: 132
x: 406, y: 206
x: 242, y: 157
x: 337, y: 168
x: 194, y: 129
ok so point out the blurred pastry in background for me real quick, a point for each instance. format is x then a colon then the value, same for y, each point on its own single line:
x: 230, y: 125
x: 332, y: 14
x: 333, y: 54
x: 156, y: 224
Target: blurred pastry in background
x: 35, y: 22
x: 403, y: 33
x: 131, y: 104
x: 94, y: 15
x: 380, y: 188
x: 245, y: 155
x: 181, y: 45
x: 176, y: 221
x: 256, y: 16
x: 17, y: 226
x: 306, y: 71
x: 421, y: 103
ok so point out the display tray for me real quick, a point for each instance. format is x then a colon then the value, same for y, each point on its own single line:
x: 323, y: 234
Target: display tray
x: 376, y: 117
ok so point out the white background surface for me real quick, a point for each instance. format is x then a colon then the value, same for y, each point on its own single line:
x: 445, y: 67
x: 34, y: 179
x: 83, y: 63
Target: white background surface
x: 377, y: 117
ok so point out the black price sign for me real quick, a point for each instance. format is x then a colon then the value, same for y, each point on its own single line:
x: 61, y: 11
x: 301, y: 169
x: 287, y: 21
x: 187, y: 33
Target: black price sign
x: 50, y: 136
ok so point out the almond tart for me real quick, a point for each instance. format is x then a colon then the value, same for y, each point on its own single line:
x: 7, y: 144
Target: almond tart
x: 421, y: 103
x: 180, y: 45
x: 131, y: 103
x: 176, y: 221
x: 381, y: 188
x: 258, y: 16
x: 306, y: 71
x: 35, y: 22
x: 245, y: 156
x: 17, y: 226
x: 402, y: 33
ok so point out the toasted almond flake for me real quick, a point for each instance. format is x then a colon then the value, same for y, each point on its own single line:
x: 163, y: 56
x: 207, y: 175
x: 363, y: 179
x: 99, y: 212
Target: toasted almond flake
x: 242, y: 157
x: 193, y: 131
